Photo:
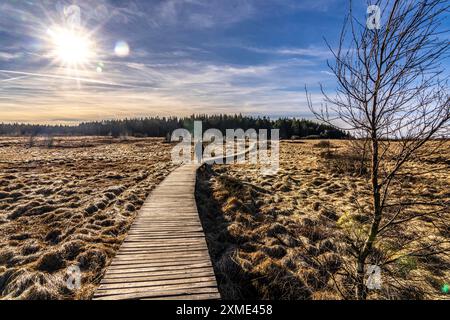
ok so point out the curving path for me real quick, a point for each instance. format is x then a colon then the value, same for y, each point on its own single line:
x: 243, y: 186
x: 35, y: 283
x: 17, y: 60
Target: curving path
x: 165, y: 255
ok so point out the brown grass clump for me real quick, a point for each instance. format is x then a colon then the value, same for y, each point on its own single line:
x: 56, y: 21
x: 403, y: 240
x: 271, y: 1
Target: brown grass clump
x: 30, y: 285
x: 67, y: 205
x: 92, y: 260
x: 323, y: 144
x: 275, y: 281
x: 51, y: 261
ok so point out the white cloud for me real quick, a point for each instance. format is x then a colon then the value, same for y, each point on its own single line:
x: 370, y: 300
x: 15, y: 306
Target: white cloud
x: 7, y: 56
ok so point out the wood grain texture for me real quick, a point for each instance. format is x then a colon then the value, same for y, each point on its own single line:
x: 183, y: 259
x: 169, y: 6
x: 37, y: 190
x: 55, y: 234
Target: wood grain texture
x: 165, y: 255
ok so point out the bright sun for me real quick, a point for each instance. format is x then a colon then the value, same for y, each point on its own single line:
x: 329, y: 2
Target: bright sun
x: 71, y: 48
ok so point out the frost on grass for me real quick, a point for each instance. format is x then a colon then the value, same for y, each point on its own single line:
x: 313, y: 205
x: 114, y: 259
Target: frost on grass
x: 69, y: 205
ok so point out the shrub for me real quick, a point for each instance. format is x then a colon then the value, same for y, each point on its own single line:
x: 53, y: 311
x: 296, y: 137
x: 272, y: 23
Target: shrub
x: 323, y: 144
x: 349, y: 161
x: 48, y: 142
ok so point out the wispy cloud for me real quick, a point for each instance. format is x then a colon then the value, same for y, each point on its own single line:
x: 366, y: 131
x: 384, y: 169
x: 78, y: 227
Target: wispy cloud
x: 7, y: 56
x: 163, y: 90
x: 314, y: 52
x: 172, y: 70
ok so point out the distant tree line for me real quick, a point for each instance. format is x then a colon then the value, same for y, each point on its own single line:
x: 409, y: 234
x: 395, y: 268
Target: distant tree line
x: 164, y: 126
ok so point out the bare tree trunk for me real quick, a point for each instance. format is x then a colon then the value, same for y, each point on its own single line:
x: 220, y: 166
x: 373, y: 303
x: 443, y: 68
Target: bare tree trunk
x: 361, y: 291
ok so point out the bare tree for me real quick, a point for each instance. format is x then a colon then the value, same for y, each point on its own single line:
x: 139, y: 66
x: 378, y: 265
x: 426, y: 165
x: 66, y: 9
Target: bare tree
x: 393, y: 93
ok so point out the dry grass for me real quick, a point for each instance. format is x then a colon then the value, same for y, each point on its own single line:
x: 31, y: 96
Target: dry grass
x: 284, y: 236
x: 69, y: 203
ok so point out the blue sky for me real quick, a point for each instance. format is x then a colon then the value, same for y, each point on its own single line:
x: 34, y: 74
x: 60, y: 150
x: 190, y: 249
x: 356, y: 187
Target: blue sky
x: 185, y: 56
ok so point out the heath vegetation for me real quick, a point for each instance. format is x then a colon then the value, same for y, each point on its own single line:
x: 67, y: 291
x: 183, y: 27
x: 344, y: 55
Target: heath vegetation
x: 294, y: 235
x: 69, y: 204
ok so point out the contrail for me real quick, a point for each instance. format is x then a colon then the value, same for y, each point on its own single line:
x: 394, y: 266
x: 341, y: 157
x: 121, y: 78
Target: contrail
x: 54, y: 76
x: 15, y: 78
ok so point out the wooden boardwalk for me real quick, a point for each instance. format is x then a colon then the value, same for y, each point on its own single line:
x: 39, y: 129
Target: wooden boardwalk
x: 165, y: 255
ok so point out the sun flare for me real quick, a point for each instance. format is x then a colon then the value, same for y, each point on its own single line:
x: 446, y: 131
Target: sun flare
x: 71, y: 48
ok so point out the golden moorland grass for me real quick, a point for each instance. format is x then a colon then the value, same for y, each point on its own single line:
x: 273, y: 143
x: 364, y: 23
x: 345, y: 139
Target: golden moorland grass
x: 284, y: 236
x: 69, y: 202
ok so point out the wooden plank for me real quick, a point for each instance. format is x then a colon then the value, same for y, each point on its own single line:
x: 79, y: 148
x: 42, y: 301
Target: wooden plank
x: 134, y: 293
x: 161, y: 238
x: 202, y: 296
x: 171, y: 229
x: 168, y: 224
x: 117, y: 265
x: 170, y: 267
x: 164, y: 218
x: 160, y: 254
x: 161, y: 266
x: 173, y: 241
x: 162, y: 276
x: 171, y: 237
x: 147, y: 294
x: 144, y: 273
x: 143, y: 263
x: 150, y: 245
x: 166, y: 242
x: 158, y: 258
x: 166, y: 236
x: 164, y: 250
x: 153, y: 283
x: 168, y: 232
x: 145, y: 257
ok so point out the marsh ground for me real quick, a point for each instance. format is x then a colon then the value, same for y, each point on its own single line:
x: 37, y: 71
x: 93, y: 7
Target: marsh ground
x: 70, y: 201
x: 286, y: 236
x: 66, y: 202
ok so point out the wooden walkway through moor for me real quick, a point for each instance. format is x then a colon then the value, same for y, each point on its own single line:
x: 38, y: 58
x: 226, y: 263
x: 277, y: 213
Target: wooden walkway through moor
x: 165, y: 255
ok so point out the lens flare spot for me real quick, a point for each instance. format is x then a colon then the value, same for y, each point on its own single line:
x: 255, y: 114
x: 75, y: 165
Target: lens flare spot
x: 446, y: 288
x: 122, y: 49
x: 100, y: 67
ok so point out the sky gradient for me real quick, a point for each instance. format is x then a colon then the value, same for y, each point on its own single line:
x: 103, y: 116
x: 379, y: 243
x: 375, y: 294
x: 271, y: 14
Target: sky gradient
x: 185, y: 56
